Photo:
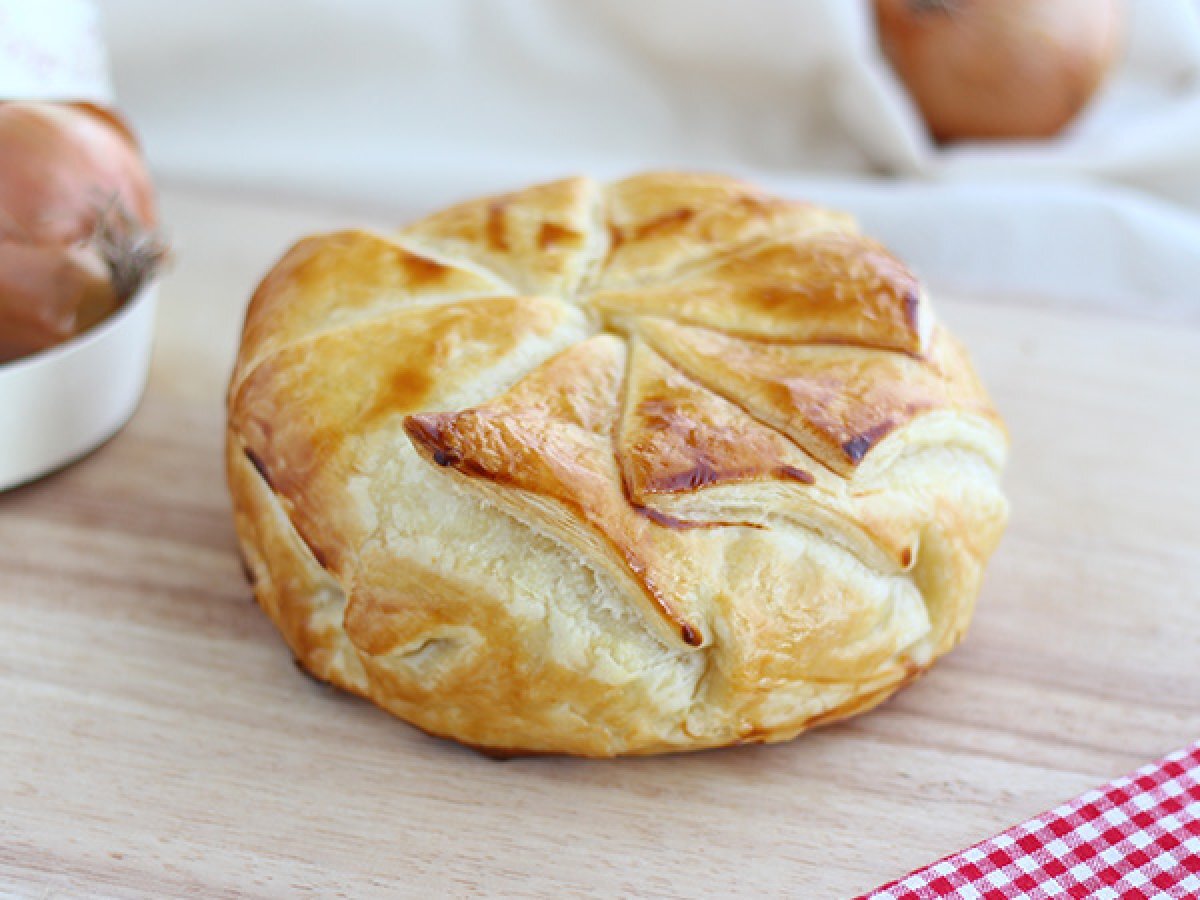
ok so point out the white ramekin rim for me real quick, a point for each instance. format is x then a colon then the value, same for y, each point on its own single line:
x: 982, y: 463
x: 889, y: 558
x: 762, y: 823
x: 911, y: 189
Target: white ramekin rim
x: 58, y: 405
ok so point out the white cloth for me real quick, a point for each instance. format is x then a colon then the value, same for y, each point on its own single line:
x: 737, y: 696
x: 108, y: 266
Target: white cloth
x: 403, y: 105
x: 52, y: 50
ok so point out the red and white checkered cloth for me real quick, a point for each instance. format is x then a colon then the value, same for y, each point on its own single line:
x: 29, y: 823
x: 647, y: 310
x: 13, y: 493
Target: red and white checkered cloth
x: 1136, y: 838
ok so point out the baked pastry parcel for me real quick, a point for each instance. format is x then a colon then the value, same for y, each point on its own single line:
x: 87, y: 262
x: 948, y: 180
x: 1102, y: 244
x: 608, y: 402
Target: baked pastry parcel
x: 597, y: 469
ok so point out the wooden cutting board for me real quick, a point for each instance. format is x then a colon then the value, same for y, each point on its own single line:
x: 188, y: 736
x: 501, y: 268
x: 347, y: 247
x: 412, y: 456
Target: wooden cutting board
x: 156, y: 740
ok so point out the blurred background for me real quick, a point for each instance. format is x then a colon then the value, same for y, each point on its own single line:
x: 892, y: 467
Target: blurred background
x: 399, y: 106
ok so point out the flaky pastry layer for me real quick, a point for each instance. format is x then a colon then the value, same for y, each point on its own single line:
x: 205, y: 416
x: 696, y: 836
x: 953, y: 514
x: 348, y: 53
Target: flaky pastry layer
x: 596, y: 469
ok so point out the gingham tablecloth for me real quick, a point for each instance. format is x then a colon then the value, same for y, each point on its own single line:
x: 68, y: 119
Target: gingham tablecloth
x: 1135, y: 838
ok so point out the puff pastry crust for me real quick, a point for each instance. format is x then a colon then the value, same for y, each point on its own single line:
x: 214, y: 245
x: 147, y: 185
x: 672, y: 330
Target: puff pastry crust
x: 657, y: 465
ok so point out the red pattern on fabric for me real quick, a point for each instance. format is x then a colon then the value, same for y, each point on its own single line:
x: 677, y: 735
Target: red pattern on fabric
x: 1136, y: 838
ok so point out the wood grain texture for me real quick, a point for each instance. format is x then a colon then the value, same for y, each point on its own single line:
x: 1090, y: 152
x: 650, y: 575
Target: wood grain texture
x: 156, y: 739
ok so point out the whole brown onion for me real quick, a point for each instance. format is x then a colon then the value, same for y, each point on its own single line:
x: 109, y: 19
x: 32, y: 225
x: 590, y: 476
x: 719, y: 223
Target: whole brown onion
x: 981, y: 69
x: 77, y: 221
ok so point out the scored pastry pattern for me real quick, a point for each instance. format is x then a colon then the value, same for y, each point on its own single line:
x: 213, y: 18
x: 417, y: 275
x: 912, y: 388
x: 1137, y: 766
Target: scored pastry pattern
x: 728, y: 338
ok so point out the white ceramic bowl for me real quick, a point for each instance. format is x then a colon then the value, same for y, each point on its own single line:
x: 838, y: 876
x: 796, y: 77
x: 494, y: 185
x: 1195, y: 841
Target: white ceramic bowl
x: 58, y: 405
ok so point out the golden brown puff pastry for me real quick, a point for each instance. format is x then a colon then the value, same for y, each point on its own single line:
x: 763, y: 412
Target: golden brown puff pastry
x: 603, y: 469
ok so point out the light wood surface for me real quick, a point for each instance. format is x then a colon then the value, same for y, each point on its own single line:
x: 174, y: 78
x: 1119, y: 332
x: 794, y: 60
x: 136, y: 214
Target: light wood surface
x: 156, y: 740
